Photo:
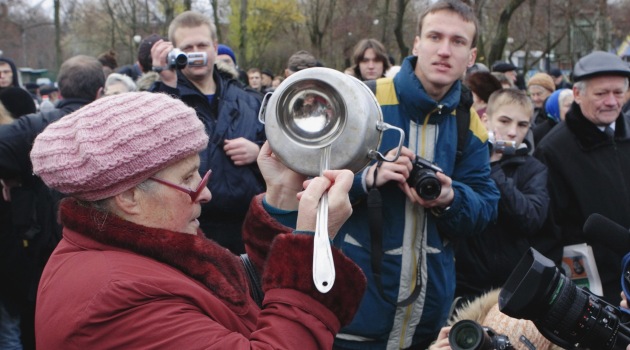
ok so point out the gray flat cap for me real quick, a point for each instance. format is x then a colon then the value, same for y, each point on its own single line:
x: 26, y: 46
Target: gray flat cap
x: 600, y: 63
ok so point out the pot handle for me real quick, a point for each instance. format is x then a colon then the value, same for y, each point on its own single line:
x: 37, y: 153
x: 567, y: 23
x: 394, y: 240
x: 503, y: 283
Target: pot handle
x: 382, y: 126
x: 263, y: 107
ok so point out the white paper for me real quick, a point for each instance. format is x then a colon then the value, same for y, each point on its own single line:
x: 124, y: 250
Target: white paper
x: 579, y: 265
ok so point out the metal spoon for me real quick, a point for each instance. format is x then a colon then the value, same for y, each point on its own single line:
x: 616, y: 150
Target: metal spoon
x: 323, y: 264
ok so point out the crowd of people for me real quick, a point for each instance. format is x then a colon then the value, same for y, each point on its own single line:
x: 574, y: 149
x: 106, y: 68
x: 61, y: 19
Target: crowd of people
x: 147, y: 210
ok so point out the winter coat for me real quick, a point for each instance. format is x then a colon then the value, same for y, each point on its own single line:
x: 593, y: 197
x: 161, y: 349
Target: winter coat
x: 485, y: 261
x: 113, y: 284
x: 412, y: 236
x: 34, y: 231
x: 589, y: 173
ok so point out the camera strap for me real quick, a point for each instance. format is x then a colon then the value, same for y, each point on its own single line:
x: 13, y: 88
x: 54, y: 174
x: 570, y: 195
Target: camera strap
x: 375, y: 221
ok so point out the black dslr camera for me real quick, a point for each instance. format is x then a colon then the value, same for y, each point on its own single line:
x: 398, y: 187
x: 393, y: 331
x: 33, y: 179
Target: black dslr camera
x: 565, y: 314
x: 423, y: 179
x: 470, y: 335
x: 179, y: 59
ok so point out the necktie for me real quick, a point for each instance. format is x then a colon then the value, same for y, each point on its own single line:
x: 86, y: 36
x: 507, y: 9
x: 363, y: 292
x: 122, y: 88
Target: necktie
x: 609, y: 132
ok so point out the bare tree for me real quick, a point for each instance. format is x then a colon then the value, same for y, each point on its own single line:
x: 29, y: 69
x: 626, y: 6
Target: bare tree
x: 58, y: 52
x: 601, y: 31
x: 319, y: 14
x: 497, y: 44
x: 215, y: 15
x: 242, y: 48
x: 401, y: 6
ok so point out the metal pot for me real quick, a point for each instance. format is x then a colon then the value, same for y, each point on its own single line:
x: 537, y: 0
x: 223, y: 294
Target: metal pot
x: 317, y: 108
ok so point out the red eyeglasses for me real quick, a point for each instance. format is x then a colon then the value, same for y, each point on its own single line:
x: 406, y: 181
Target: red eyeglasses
x: 194, y: 194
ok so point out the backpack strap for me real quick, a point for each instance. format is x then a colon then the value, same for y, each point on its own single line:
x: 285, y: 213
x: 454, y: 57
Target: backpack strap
x: 462, y: 113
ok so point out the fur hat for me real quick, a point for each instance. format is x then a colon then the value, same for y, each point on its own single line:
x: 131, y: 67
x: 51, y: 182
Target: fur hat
x: 542, y: 79
x: 115, y: 143
x: 485, y: 311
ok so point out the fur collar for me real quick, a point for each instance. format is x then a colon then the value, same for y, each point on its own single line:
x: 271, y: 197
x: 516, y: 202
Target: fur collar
x: 588, y: 135
x: 196, y: 256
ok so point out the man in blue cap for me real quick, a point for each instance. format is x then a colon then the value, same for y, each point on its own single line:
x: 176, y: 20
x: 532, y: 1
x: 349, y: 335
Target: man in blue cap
x: 588, y: 157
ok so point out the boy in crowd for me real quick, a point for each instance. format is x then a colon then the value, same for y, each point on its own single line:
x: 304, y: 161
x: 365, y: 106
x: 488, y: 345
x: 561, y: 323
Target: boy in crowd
x: 484, y: 262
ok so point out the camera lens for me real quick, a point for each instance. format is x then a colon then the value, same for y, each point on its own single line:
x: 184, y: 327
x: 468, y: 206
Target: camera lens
x: 565, y: 314
x: 181, y: 60
x: 427, y: 184
x: 468, y: 335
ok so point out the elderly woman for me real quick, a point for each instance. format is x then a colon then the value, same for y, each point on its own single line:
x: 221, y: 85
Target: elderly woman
x: 134, y: 271
x: 556, y: 106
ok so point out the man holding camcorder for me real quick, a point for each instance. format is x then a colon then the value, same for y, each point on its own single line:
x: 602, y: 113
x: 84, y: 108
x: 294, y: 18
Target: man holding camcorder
x: 230, y: 115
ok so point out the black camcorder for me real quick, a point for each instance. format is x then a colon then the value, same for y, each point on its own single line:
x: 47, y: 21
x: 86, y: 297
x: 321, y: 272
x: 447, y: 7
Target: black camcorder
x: 565, y: 314
x: 177, y: 59
x: 470, y: 335
x: 422, y: 178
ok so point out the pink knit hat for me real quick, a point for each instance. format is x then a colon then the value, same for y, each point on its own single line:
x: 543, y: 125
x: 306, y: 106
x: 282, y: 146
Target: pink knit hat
x: 115, y: 143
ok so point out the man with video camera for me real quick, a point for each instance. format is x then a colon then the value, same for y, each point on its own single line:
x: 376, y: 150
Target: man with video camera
x: 229, y: 114
x: 588, y: 159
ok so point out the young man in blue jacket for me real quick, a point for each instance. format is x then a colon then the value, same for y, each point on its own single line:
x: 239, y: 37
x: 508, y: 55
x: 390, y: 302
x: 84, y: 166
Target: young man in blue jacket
x: 408, y: 258
x: 230, y: 115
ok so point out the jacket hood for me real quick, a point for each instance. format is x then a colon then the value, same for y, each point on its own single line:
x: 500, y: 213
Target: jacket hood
x: 16, y: 81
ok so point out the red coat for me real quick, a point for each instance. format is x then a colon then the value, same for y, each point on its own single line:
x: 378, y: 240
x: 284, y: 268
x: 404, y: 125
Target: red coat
x: 114, y: 284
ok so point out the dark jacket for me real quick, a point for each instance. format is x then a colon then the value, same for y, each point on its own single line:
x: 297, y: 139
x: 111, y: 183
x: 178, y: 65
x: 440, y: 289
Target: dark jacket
x: 588, y: 173
x: 33, y: 205
x: 542, y: 129
x: 233, y: 113
x: 16, y: 81
x: 484, y: 262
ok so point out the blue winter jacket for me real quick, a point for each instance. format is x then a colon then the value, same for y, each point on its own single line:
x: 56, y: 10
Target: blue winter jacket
x: 412, y: 236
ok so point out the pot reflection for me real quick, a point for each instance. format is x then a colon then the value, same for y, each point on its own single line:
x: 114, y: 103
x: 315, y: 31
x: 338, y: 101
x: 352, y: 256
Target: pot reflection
x: 311, y: 113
